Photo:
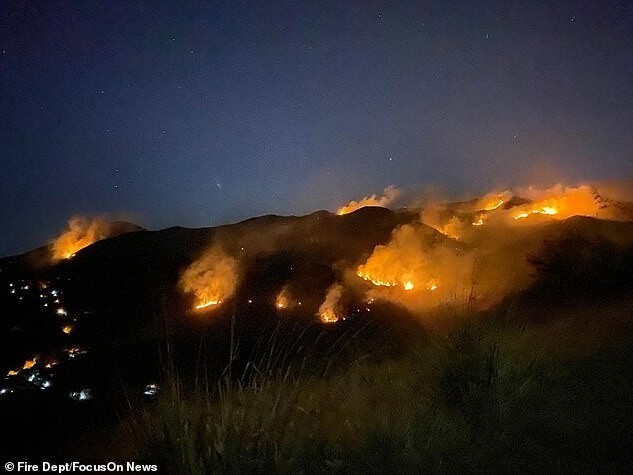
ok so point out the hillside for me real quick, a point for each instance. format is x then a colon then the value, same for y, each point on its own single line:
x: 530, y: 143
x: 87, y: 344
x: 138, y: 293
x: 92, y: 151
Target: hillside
x: 114, y: 314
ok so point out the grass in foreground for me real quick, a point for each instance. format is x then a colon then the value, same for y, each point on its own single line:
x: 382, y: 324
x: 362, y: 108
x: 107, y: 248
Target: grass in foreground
x: 462, y: 403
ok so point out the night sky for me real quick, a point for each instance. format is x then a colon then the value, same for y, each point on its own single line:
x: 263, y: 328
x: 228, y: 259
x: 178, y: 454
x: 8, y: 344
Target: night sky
x: 195, y: 114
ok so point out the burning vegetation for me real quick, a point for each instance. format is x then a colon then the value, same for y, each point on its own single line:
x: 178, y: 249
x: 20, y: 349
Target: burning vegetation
x: 329, y: 310
x: 470, y: 252
x: 212, y: 278
x: 484, y: 253
x: 388, y: 196
x: 284, y: 299
x: 82, y: 232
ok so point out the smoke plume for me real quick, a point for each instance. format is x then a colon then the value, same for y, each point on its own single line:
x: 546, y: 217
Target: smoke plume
x: 81, y: 233
x: 330, y: 308
x: 212, y: 278
x: 388, y: 196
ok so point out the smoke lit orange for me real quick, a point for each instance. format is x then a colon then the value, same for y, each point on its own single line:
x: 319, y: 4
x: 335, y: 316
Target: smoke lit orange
x: 389, y: 194
x: 211, y: 279
x: 81, y: 233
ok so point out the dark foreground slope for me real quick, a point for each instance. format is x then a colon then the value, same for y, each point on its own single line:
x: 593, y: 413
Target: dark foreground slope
x: 131, y: 325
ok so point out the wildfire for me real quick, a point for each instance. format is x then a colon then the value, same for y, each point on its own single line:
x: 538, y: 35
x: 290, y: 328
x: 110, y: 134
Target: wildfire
x: 375, y: 281
x: 480, y: 221
x: 328, y: 311
x: 492, y: 201
x: 211, y: 279
x: 433, y: 216
x: 561, y: 202
x: 329, y: 317
x: 406, y: 284
x: 397, y: 264
x: 210, y: 303
x: 81, y: 233
x: 28, y: 364
x: 494, y: 205
x: 547, y: 210
x: 284, y: 300
x: 389, y: 194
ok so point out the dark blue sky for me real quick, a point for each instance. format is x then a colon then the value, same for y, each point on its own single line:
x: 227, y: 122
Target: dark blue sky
x: 196, y: 113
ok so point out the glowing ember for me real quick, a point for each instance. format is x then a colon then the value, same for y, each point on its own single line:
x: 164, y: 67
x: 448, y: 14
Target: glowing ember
x: 431, y: 285
x: 74, y: 352
x: 67, y: 329
x: 28, y: 364
x: 13, y: 372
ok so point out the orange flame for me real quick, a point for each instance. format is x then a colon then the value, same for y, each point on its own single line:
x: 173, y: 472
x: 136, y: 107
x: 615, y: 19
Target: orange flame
x: 328, y: 311
x: 81, y: 233
x: 394, y: 264
x: 492, y: 201
x: 208, y: 304
x: 283, y: 299
x: 212, y: 278
x: 547, y: 210
x: 561, y: 202
x: 28, y: 364
x: 389, y: 194
x: 480, y: 221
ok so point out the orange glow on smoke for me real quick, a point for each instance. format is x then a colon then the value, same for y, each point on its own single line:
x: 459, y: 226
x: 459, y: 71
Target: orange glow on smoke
x: 547, y: 210
x: 375, y: 280
x: 389, y: 194
x: 283, y: 299
x: 397, y: 264
x: 493, y: 205
x: 329, y: 309
x: 82, y: 232
x: 559, y: 202
x: 211, y: 279
x: 329, y: 317
x: 480, y: 221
